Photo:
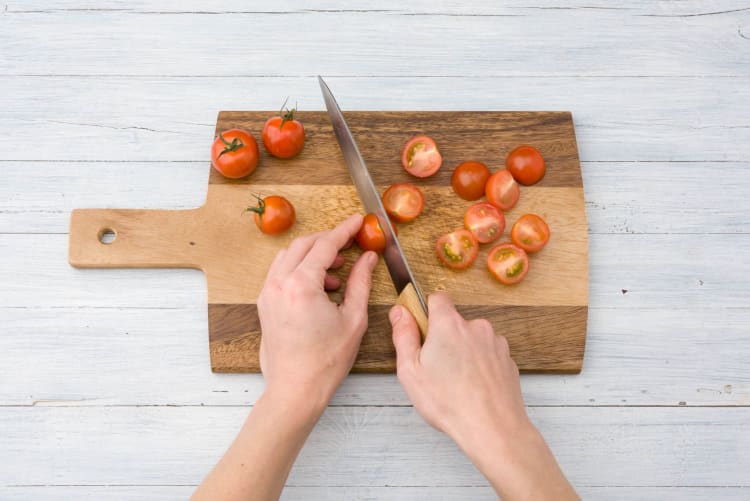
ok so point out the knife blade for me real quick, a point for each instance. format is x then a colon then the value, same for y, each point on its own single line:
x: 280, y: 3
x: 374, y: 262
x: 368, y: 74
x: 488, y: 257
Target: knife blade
x: 403, y: 279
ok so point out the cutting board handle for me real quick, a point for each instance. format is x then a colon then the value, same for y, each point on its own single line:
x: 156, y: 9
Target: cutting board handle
x: 133, y: 238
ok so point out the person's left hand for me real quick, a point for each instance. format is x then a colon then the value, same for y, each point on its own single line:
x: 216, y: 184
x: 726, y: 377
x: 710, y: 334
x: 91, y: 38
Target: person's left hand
x: 309, y: 343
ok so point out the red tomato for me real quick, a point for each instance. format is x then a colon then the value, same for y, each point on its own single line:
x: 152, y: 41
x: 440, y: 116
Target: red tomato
x: 273, y: 214
x: 502, y: 190
x: 283, y: 136
x: 234, y: 153
x: 469, y: 179
x: 421, y: 157
x: 370, y: 236
x: 485, y: 221
x: 508, y: 263
x: 457, y: 250
x: 530, y: 233
x: 403, y: 202
x: 526, y: 164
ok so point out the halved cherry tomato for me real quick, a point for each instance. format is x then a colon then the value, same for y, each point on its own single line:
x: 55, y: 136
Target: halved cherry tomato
x: 469, y: 180
x: 273, y: 214
x: 421, y: 157
x: 234, y: 153
x: 457, y: 250
x: 530, y: 233
x: 485, y: 221
x: 403, y: 202
x: 283, y: 136
x: 508, y: 263
x: 370, y: 236
x: 502, y: 190
x: 526, y: 164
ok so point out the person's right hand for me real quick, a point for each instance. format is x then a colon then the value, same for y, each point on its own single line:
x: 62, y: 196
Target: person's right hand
x: 464, y: 383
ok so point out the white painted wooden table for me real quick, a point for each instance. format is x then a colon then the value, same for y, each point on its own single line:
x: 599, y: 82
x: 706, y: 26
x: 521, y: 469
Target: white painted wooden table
x: 105, y: 386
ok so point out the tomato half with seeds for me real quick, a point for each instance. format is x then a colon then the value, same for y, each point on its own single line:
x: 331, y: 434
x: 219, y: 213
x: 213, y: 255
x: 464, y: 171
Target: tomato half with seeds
x: 526, y: 164
x: 469, y: 179
x: 485, y: 221
x: 283, y: 136
x: 421, y: 157
x: 502, y: 190
x: 457, y: 250
x: 403, y: 202
x: 234, y: 153
x: 273, y: 214
x: 370, y: 235
x: 507, y: 263
x: 530, y: 233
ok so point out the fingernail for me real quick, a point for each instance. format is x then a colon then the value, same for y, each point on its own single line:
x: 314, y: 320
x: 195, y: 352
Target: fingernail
x: 372, y: 259
x: 395, y: 315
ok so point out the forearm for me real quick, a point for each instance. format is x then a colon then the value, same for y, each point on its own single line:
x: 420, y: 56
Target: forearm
x: 259, y: 460
x: 519, y: 465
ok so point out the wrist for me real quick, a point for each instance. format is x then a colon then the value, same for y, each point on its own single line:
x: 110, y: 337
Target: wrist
x: 306, y: 403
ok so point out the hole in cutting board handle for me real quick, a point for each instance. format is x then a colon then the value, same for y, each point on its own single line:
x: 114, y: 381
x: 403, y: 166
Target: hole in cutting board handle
x: 107, y: 235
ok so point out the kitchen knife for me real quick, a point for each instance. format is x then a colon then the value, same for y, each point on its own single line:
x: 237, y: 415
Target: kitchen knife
x: 408, y: 292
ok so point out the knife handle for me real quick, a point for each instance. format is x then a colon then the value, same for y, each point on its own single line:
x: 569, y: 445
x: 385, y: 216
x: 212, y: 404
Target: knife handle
x: 409, y: 299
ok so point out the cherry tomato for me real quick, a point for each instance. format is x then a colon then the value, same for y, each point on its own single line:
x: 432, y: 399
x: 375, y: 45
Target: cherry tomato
x: 530, y: 233
x: 370, y: 236
x: 526, y: 164
x: 234, y: 153
x: 283, y: 136
x: 273, y: 215
x: 421, y: 157
x: 502, y: 190
x: 403, y: 202
x: 457, y: 250
x: 485, y: 221
x: 508, y: 263
x: 469, y: 180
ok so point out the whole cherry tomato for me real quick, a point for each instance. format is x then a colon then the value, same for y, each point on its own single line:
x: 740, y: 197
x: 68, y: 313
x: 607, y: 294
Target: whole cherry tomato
x: 526, y: 164
x: 234, y: 153
x: 273, y: 214
x: 469, y: 180
x: 370, y: 236
x: 283, y: 136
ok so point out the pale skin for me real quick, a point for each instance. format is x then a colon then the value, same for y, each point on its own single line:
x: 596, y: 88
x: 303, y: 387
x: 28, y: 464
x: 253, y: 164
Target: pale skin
x: 462, y: 381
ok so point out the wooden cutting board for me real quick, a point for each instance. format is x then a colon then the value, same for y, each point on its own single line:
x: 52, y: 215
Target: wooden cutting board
x: 544, y: 317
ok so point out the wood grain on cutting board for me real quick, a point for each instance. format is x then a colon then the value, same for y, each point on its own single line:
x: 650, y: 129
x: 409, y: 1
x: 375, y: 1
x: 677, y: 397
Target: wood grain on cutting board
x: 544, y: 317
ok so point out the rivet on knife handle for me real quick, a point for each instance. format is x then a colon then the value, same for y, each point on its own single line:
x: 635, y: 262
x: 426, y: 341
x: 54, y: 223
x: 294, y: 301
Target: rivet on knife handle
x: 409, y: 299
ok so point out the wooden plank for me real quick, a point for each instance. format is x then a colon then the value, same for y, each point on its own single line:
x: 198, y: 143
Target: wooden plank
x: 145, y: 118
x: 37, y: 197
x: 655, y: 44
x: 176, y: 445
x: 105, y: 356
x: 655, y: 271
x: 141, y: 492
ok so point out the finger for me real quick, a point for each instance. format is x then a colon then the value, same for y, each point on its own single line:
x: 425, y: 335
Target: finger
x: 297, y: 251
x: 405, y: 338
x: 331, y: 283
x: 327, y: 246
x: 338, y: 262
x: 358, y: 287
x: 275, y: 268
x: 348, y: 243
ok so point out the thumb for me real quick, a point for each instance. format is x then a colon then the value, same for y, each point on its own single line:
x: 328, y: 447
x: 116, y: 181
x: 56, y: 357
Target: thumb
x: 405, y: 337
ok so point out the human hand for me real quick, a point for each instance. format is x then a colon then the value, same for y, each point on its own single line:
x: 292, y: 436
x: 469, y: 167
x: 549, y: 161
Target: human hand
x: 308, y: 343
x: 464, y: 383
